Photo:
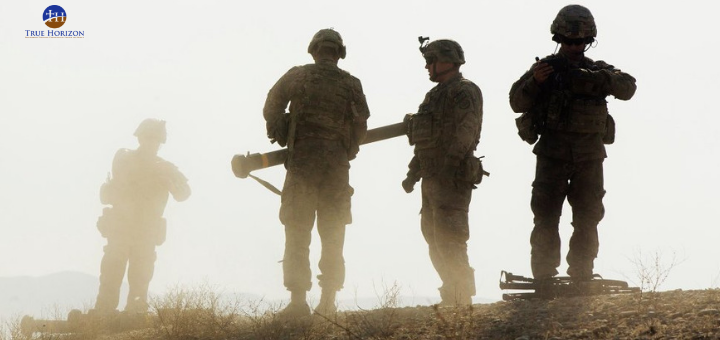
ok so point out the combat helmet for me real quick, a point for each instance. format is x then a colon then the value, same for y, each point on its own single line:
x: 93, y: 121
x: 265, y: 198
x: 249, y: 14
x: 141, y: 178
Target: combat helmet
x: 152, y: 128
x: 444, y: 50
x: 327, y: 37
x: 574, y: 21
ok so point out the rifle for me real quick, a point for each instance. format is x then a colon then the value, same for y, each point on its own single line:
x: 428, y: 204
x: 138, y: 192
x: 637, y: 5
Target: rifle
x: 560, y: 286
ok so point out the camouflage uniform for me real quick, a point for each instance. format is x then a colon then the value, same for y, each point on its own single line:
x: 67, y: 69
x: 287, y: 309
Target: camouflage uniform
x: 327, y: 121
x: 138, y: 192
x: 445, y: 132
x: 570, y: 113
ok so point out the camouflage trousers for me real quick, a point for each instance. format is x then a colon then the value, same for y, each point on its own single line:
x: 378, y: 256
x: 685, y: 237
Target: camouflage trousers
x: 316, y: 185
x: 582, y: 184
x: 138, y: 257
x: 444, y: 225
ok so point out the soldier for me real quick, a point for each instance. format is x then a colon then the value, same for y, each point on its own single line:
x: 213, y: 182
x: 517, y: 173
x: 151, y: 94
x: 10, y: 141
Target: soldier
x: 134, y: 225
x: 445, y: 132
x: 326, y: 123
x: 563, y: 100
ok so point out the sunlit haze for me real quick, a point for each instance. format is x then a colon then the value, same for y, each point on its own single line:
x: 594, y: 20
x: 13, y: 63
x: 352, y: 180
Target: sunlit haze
x: 68, y: 104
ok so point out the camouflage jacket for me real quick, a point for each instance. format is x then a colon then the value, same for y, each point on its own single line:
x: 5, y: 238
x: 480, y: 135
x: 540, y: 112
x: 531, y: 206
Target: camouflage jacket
x: 141, y: 184
x: 572, y: 105
x: 446, y: 129
x: 326, y: 102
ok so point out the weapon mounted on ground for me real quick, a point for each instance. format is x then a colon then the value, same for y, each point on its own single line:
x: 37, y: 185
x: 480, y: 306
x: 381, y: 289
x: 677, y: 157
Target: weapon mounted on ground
x: 560, y: 286
x: 77, y: 322
x: 242, y: 165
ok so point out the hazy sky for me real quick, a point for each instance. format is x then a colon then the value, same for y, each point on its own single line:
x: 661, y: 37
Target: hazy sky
x: 66, y: 106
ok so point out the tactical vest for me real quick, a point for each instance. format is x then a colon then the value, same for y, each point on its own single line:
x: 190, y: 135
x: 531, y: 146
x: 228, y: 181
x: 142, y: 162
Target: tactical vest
x: 426, y: 126
x: 322, y: 104
x: 576, y: 105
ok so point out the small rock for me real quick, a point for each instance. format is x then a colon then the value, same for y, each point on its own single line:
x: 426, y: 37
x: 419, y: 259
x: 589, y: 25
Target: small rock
x: 709, y: 311
x: 524, y: 337
x: 628, y: 313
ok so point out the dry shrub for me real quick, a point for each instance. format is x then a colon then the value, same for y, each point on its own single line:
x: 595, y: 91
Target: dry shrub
x: 199, y: 313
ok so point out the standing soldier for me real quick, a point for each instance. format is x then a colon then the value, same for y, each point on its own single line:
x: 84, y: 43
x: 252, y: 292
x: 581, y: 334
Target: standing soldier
x: 323, y: 130
x: 445, y: 132
x: 563, y: 100
x: 134, y: 225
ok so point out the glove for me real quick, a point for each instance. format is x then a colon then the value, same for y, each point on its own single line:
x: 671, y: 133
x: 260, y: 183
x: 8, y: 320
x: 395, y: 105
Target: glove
x: 277, y: 131
x: 409, y: 184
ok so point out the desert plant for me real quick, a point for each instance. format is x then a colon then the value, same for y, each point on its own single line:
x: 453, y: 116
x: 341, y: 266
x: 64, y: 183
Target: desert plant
x: 193, y: 313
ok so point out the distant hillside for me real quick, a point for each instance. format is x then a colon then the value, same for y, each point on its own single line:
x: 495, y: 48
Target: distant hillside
x: 47, y: 295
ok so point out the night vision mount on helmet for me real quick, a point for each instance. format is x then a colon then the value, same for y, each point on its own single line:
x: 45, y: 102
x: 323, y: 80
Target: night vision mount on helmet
x: 444, y: 50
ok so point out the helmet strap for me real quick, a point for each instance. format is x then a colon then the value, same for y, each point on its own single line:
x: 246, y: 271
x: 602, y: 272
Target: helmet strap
x: 436, y: 74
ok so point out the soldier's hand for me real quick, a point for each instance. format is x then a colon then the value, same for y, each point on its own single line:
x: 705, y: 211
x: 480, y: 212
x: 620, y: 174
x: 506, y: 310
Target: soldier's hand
x: 409, y: 184
x: 277, y: 131
x: 589, y: 82
x: 542, y: 72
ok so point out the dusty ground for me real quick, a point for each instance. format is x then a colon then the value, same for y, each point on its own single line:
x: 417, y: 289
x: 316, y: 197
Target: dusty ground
x: 665, y: 315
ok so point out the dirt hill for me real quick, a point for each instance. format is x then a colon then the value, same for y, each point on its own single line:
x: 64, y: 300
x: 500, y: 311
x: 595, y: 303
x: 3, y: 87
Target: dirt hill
x: 664, y: 315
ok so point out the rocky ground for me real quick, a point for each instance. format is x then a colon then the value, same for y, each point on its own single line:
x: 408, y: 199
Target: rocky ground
x: 664, y: 315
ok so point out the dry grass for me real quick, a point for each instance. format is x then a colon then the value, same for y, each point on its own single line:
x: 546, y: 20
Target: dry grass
x: 200, y: 313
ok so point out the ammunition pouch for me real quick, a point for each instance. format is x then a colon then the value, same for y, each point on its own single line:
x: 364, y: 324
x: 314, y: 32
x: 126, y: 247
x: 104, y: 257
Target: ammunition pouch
x: 527, y: 130
x: 108, y: 223
x: 471, y: 170
x: 609, y: 136
x: 422, y: 131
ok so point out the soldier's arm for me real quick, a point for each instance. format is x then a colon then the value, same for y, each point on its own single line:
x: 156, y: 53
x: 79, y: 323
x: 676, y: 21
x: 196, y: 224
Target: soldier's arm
x: 360, y: 112
x: 177, y: 182
x: 277, y: 101
x: 621, y: 85
x: 414, y: 169
x: 523, y: 93
x: 616, y: 82
x: 466, y: 123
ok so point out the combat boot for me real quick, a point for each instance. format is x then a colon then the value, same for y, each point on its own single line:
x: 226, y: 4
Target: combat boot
x: 327, y: 306
x: 137, y: 305
x: 580, y: 272
x: 454, y: 297
x: 297, y: 308
x: 580, y: 268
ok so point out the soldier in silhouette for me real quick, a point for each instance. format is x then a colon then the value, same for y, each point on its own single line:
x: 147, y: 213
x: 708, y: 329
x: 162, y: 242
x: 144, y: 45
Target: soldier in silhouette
x: 138, y: 192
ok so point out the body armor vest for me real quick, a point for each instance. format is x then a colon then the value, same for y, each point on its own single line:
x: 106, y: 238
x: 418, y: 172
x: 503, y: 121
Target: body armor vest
x: 426, y: 125
x: 323, y: 103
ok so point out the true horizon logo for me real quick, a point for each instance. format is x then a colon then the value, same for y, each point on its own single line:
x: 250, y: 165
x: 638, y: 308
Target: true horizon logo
x: 54, y: 16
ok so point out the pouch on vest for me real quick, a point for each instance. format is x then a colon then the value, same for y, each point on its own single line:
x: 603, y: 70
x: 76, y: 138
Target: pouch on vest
x: 107, y: 223
x: 471, y: 170
x: 421, y: 128
x: 526, y: 128
x: 609, y: 136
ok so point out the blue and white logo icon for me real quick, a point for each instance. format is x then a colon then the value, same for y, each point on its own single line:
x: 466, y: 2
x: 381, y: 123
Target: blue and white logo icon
x: 54, y: 16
